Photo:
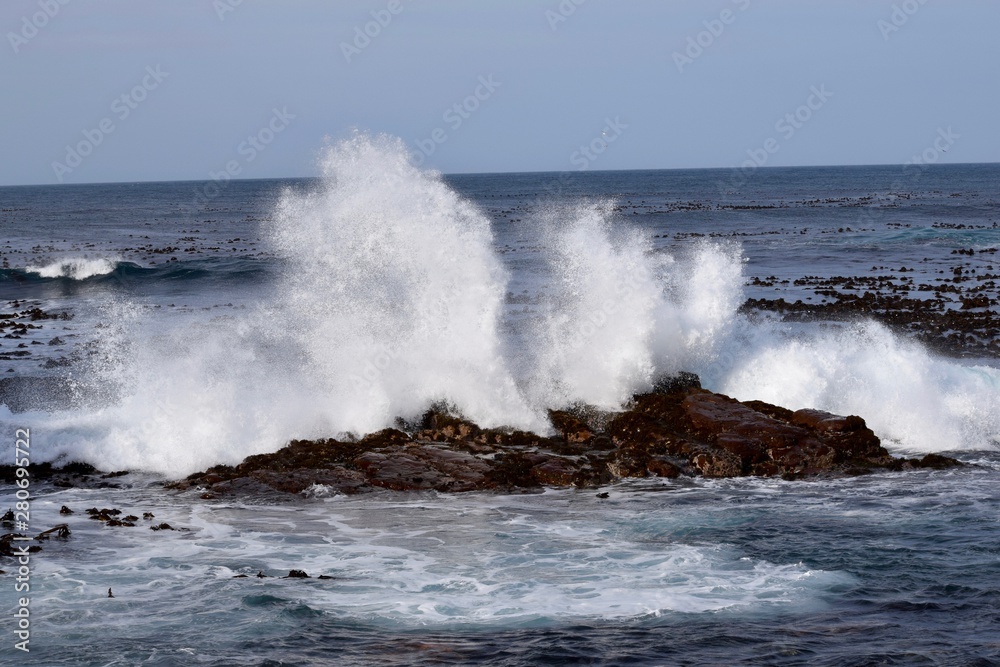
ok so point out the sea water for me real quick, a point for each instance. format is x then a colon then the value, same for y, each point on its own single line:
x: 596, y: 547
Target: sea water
x: 207, y: 324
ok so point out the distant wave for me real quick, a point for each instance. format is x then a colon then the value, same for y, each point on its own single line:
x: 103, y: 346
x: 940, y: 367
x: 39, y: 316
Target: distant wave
x: 100, y: 272
x: 76, y: 268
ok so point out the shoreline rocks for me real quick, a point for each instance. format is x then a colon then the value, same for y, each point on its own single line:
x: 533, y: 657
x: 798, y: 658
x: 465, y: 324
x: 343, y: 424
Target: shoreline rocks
x: 678, y: 429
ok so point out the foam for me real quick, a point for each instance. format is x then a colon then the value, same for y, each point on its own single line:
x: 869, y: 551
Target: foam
x: 394, y: 298
x: 909, y: 397
x: 75, y: 268
x: 492, y: 562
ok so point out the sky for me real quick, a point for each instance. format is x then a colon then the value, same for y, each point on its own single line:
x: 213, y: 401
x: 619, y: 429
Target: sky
x: 144, y: 90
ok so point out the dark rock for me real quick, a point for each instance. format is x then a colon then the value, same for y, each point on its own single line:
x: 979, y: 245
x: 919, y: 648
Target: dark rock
x: 423, y: 467
x: 65, y: 510
x: 555, y: 471
x: 7, y: 541
x: 661, y: 466
x: 296, y: 574
x: 937, y: 462
x: 677, y: 383
x: 574, y: 430
x: 678, y: 429
x: 61, y: 530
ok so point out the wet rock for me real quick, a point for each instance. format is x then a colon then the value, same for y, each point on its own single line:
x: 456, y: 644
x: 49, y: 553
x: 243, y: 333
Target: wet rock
x: 8, y: 549
x: 718, y: 464
x: 677, y: 383
x: 574, y: 430
x: 418, y: 467
x: 61, y: 530
x: 106, y: 515
x: 678, y: 429
x: 937, y: 462
x: 661, y: 466
x: 296, y: 574
x: 73, y: 474
x: 555, y: 471
x: 439, y: 427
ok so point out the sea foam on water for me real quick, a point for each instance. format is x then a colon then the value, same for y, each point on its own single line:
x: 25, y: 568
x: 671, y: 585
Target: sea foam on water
x: 394, y: 297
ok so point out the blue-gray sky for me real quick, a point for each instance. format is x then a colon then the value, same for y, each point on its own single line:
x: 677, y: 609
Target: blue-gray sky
x: 202, y: 76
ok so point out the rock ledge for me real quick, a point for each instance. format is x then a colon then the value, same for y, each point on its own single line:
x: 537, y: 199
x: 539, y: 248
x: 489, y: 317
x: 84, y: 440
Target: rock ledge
x: 679, y: 429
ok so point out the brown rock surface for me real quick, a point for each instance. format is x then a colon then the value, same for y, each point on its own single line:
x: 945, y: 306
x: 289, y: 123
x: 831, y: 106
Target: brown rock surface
x: 678, y: 429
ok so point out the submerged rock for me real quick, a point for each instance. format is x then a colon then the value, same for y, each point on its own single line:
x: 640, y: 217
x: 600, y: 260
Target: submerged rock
x: 678, y: 429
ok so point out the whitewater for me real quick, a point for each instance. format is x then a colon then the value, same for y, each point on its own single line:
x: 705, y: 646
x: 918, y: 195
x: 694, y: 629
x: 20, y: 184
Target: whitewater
x: 392, y: 297
x: 330, y: 307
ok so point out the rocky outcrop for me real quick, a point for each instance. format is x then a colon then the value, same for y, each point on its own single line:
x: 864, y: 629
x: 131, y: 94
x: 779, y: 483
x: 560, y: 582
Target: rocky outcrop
x: 678, y: 429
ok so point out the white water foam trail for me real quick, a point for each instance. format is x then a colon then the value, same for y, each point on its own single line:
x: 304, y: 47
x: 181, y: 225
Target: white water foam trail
x: 77, y: 268
x: 493, y: 561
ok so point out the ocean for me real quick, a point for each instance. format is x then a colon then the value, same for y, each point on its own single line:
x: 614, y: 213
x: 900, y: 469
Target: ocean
x: 156, y: 329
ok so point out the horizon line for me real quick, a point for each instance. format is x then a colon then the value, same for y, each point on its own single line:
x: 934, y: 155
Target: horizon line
x: 508, y: 173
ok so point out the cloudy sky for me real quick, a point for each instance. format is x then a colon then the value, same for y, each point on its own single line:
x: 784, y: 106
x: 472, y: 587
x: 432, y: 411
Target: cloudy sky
x: 135, y: 90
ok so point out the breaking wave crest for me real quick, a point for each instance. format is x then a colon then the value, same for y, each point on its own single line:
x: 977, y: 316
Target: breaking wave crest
x: 75, y: 268
x: 394, y: 297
